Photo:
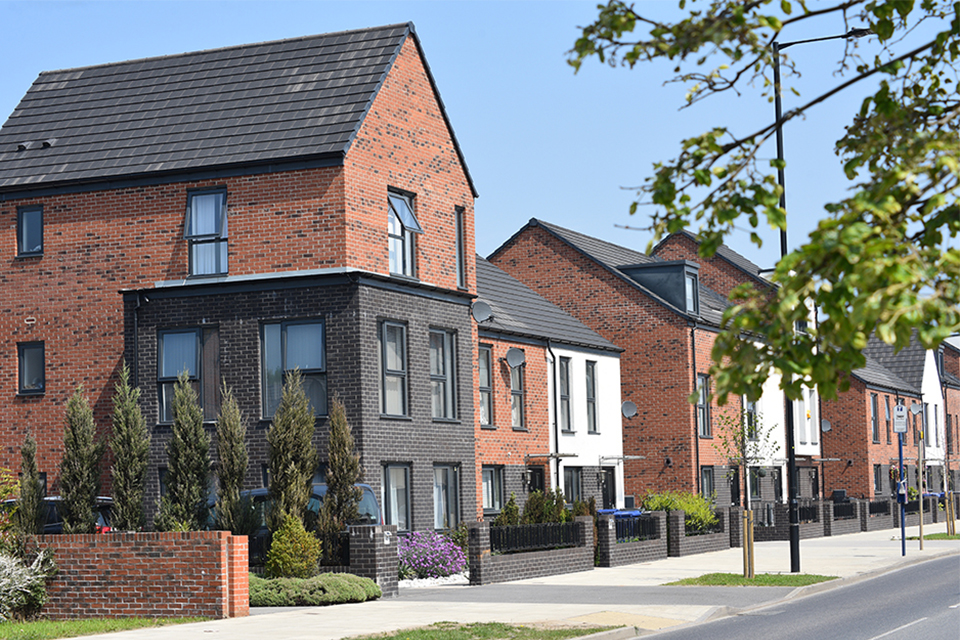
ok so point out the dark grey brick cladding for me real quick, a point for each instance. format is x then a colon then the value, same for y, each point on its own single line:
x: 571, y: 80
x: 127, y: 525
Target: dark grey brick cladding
x: 352, y: 311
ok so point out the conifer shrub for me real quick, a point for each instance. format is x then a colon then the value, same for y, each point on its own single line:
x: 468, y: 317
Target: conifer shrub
x: 28, y: 516
x: 80, y: 467
x: 291, y: 456
x: 130, y: 445
x: 542, y: 507
x: 509, y: 515
x: 294, y: 552
x: 233, y: 512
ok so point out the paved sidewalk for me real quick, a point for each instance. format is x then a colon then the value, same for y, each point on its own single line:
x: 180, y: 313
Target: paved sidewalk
x: 628, y: 595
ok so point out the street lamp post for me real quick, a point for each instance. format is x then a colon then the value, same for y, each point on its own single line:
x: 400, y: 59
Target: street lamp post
x: 787, y: 402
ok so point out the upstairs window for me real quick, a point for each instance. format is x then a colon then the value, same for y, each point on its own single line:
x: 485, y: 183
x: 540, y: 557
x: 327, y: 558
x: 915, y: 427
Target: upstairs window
x: 206, y: 230
x: 442, y: 379
x: 393, y: 364
x: 294, y: 345
x: 461, y: 250
x: 401, y: 225
x: 30, y: 231
x: 565, y: 394
x: 703, y: 406
x: 750, y: 418
x: 517, y: 397
x: 693, y: 294
x: 874, y: 418
x: 591, y: 396
x: 32, y: 366
x: 484, y: 362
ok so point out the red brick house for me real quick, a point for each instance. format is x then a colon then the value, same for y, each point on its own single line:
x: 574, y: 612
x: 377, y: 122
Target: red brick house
x: 660, y: 310
x: 238, y: 213
x: 949, y: 367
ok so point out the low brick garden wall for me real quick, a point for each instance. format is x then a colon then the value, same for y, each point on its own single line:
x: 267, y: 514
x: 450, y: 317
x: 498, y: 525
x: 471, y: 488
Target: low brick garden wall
x: 679, y: 544
x: 833, y: 526
x: 781, y: 527
x: 486, y: 568
x: 156, y: 575
x: 878, y: 521
x: 611, y: 553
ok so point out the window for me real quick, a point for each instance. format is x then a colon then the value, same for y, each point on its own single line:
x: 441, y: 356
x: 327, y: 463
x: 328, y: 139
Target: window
x: 693, y: 294
x: 446, y: 513
x: 925, y: 424
x: 442, y: 378
x: 536, y: 479
x: 877, y: 480
x: 755, y: 492
x: 936, y: 425
x: 813, y: 423
x: 573, y: 484
x: 516, y: 396
x: 197, y: 352
x: 800, y: 419
x: 706, y: 482
x: 30, y: 231
x: 750, y: 422
x: 32, y: 368
x: 393, y: 349
x: 206, y: 229
x: 461, y: 250
x: 294, y: 345
x: 591, y: 396
x: 492, y: 480
x: 401, y: 225
x: 485, y: 360
x: 396, y: 491
x: 703, y: 406
x: 874, y: 418
x: 801, y: 326
x: 886, y: 401
x: 565, y: 394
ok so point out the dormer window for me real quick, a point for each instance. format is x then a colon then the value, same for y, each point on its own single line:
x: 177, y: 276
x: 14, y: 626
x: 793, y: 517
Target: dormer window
x: 401, y: 226
x: 206, y: 230
x: 693, y: 293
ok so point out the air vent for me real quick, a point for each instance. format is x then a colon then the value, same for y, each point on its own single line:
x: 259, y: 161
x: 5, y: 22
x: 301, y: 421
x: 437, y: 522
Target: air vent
x: 23, y: 146
x: 49, y: 142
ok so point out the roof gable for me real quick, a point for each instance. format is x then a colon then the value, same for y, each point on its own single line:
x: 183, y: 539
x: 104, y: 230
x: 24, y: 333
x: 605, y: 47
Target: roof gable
x: 266, y: 103
x: 906, y: 364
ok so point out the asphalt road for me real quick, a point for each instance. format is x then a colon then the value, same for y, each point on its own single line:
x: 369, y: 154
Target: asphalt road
x: 919, y: 601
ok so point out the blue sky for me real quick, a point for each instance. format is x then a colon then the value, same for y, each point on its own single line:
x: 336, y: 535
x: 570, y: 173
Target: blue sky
x: 539, y: 140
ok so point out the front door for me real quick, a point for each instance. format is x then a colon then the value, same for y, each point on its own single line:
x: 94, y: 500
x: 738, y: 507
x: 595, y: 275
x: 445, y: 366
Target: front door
x: 609, y: 489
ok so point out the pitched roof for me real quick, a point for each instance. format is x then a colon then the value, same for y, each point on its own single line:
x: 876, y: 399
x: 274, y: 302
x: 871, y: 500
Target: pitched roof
x: 518, y: 310
x: 301, y: 99
x: 726, y: 253
x: 614, y: 257
x: 907, y: 364
x: 875, y: 374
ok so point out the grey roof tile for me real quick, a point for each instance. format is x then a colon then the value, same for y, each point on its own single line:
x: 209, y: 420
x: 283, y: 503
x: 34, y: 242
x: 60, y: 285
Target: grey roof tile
x: 518, y: 310
x: 302, y: 97
x: 906, y: 364
x: 874, y: 373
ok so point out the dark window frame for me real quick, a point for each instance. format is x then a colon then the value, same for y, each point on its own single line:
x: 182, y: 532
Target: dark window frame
x: 875, y: 418
x: 162, y: 380
x: 566, y: 415
x: 704, y: 429
x: 388, y: 516
x: 461, y: 248
x: 518, y: 394
x: 453, y: 505
x: 219, y: 238
x: 402, y: 375
x: 318, y: 373
x: 751, y: 419
x: 22, y: 214
x: 22, y: 349
x: 886, y: 402
x: 707, y: 477
x: 496, y: 476
x: 573, y: 484
x: 409, y: 226
x: 486, y: 391
x: 447, y: 378
x: 590, y: 380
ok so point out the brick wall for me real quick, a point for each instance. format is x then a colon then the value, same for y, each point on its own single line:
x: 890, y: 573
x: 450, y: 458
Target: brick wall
x: 611, y: 553
x: 780, y: 529
x: 680, y: 544
x: 833, y: 526
x: 373, y: 554
x: 158, y: 575
x: 878, y: 521
x: 486, y: 568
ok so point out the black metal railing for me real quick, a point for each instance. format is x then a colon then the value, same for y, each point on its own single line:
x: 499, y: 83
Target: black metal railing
x: 912, y: 506
x: 879, y: 507
x: 844, y: 510
x: 637, y: 528
x: 533, y: 537
x: 335, y: 549
x: 808, y: 512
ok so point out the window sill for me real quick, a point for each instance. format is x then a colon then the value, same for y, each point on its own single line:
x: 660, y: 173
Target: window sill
x: 405, y: 277
x: 388, y: 416
x: 31, y: 394
x: 593, y: 433
x: 488, y: 427
x: 521, y: 429
x: 704, y: 437
x: 35, y: 254
x: 206, y: 276
x: 568, y: 431
x: 446, y: 420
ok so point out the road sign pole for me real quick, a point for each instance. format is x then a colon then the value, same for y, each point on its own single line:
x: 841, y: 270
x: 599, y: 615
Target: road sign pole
x: 902, y: 500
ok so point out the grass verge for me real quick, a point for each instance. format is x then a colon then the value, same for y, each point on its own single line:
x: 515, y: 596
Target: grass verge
x: 487, y: 631
x: 936, y: 536
x: 49, y: 629
x: 760, y: 580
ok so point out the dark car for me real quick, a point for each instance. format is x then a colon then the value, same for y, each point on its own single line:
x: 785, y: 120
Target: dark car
x: 369, y: 509
x: 53, y: 519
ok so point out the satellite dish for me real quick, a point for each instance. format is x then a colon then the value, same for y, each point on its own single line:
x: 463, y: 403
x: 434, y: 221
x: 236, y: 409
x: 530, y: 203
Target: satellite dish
x: 515, y: 357
x: 628, y: 409
x: 481, y: 311
x: 916, y: 408
x: 825, y: 426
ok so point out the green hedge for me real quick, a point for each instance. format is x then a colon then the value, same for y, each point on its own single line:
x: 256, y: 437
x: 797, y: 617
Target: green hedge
x: 326, y: 588
x: 699, y: 515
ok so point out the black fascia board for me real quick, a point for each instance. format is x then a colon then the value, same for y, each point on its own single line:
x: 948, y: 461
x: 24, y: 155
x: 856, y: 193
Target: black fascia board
x: 520, y: 336
x: 20, y: 192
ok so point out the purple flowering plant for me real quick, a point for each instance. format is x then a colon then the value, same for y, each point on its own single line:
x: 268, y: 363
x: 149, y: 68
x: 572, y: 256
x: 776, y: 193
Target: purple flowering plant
x: 427, y: 554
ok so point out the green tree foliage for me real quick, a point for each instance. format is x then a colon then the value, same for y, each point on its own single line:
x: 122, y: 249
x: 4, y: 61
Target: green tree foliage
x: 233, y: 513
x: 880, y: 260
x: 343, y: 473
x: 292, y: 459
x: 294, y: 551
x: 744, y: 441
x: 184, y: 507
x: 28, y: 517
x: 542, y: 507
x: 509, y: 515
x: 80, y: 467
x: 130, y: 445
x: 9, y: 540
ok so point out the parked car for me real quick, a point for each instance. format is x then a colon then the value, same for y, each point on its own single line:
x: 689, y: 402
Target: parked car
x: 53, y: 519
x: 369, y: 509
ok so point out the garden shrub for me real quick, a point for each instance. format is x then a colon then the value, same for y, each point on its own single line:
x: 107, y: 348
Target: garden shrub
x: 294, y: 552
x: 326, y: 588
x: 23, y: 589
x: 510, y: 514
x: 426, y: 554
x: 460, y: 537
x: 699, y: 516
x: 542, y: 507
